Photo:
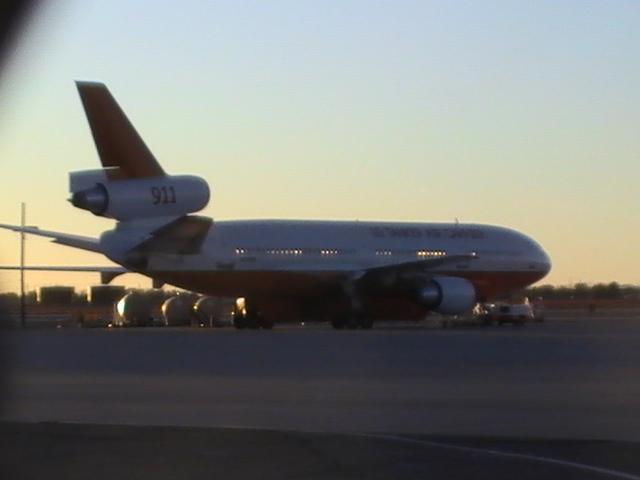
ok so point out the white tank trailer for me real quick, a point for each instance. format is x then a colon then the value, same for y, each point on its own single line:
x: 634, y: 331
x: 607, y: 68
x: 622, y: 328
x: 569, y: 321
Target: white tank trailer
x: 213, y: 311
x: 138, y: 309
x: 178, y: 311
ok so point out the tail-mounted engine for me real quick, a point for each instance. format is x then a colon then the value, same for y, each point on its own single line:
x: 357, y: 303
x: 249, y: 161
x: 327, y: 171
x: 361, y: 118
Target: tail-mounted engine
x: 136, y: 198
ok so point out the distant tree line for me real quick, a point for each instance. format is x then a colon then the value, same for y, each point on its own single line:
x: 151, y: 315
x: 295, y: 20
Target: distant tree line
x: 585, y: 291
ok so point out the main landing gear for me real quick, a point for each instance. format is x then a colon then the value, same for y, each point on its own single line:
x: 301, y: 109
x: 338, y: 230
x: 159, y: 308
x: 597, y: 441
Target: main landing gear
x: 354, y: 314
x: 351, y: 321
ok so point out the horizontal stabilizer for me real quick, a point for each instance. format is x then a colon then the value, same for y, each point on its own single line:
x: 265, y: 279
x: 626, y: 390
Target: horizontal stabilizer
x: 77, y: 241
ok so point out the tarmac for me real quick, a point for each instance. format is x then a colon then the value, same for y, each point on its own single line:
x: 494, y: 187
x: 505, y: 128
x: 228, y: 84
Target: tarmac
x: 559, y: 399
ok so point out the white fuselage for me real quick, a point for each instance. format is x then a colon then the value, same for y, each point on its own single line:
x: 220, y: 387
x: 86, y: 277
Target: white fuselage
x: 504, y: 258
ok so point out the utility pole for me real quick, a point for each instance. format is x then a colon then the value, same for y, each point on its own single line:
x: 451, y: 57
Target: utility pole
x: 23, y: 320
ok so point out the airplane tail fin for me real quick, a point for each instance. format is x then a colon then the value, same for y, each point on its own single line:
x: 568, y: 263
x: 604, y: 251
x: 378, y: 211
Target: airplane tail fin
x: 131, y: 185
x: 122, y: 151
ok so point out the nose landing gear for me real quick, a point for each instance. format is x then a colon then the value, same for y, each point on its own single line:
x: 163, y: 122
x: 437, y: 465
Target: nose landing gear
x: 247, y: 315
x: 352, y: 320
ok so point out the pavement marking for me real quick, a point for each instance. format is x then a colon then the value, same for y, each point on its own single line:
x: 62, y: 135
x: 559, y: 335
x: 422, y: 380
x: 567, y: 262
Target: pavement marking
x: 417, y: 441
x: 521, y: 456
x: 414, y: 441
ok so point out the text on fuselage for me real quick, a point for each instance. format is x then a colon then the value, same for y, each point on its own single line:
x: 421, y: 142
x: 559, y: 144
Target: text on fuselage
x: 414, y: 232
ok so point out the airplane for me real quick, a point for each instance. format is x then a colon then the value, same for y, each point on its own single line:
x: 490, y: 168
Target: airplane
x: 350, y: 272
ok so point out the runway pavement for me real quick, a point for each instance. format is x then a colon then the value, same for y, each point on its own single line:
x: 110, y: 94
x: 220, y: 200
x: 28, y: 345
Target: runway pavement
x: 496, y: 400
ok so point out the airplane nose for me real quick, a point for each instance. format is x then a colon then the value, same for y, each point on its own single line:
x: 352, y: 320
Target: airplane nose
x: 540, y: 261
x: 545, y: 262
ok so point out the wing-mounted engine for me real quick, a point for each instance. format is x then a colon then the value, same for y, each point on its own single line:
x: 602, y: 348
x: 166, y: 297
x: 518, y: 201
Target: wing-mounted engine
x: 137, y: 198
x: 446, y: 295
x: 412, y: 280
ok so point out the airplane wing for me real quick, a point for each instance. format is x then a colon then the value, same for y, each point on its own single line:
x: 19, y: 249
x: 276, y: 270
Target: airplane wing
x: 388, y: 274
x: 107, y: 274
x: 77, y: 241
x: 417, y: 266
x: 354, y: 270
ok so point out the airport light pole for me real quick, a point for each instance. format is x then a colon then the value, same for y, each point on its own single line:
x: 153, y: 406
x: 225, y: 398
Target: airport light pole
x: 23, y: 315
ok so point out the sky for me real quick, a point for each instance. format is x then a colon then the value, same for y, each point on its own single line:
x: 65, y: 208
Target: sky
x: 515, y: 113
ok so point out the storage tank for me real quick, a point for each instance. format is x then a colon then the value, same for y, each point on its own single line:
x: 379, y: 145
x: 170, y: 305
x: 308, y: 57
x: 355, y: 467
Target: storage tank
x: 55, y: 295
x: 105, y: 294
x: 178, y: 310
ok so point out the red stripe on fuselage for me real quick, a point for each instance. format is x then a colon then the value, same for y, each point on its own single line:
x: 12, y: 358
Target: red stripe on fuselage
x: 236, y: 283
x: 286, y: 295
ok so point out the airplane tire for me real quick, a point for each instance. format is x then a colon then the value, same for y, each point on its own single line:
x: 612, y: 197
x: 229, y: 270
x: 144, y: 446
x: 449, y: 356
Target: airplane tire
x: 253, y: 322
x: 353, y: 322
x: 239, y: 322
x: 266, y: 324
x: 365, y: 322
x: 339, y: 322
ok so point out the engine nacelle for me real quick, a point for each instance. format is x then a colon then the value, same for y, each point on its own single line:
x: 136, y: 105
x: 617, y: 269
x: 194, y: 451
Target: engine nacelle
x: 446, y: 295
x: 134, y: 198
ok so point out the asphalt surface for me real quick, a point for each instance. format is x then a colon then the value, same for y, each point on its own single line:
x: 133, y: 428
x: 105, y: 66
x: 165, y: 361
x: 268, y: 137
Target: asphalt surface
x: 559, y: 399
